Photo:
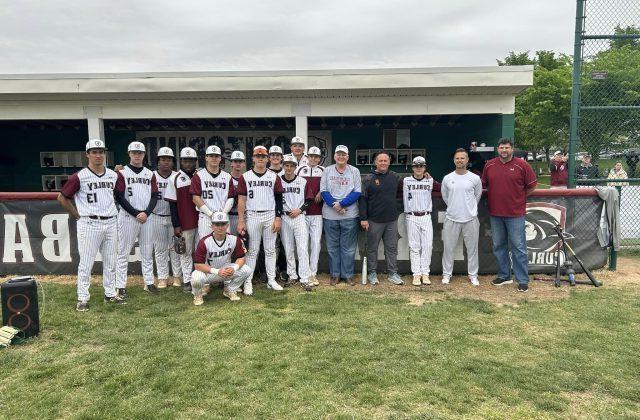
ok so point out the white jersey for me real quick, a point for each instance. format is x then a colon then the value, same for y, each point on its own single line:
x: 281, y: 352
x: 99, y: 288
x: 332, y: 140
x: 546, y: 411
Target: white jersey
x: 295, y: 192
x: 310, y: 172
x: 260, y: 190
x: 304, y: 159
x: 214, y: 189
x: 162, y: 207
x: 416, y: 194
x: 137, y: 187
x: 92, y: 193
x: 277, y: 172
x: 216, y: 254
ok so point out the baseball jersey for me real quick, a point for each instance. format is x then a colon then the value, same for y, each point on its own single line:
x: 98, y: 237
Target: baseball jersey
x: 234, y: 209
x: 278, y: 172
x: 260, y: 189
x: 178, y: 192
x: 162, y: 207
x: 214, y: 189
x: 416, y: 194
x: 304, y: 159
x: 215, y: 254
x: 295, y: 193
x: 339, y: 185
x: 92, y: 193
x: 313, y: 176
x: 137, y: 187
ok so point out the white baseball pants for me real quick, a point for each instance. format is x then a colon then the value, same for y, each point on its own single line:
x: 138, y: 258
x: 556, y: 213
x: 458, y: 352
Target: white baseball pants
x: 204, y: 226
x: 162, y: 247
x: 93, y: 236
x: 186, y: 259
x: 450, y: 234
x: 314, y: 227
x: 420, y: 237
x: 129, y: 229
x: 294, y: 239
x: 199, y: 279
x: 260, y: 228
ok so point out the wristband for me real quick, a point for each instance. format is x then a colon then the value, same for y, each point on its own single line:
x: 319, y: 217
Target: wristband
x: 213, y: 271
x: 204, y: 209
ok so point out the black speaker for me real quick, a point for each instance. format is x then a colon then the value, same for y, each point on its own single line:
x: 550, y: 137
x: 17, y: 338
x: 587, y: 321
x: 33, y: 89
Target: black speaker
x: 20, y: 305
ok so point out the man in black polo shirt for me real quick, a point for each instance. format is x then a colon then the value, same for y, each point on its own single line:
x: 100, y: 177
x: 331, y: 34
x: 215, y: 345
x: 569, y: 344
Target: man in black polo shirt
x: 379, y: 217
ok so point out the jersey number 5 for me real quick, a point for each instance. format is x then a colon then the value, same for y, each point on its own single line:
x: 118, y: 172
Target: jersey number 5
x: 129, y: 191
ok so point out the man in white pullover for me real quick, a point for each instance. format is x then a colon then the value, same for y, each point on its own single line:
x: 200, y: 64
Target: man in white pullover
x: 461, y: 192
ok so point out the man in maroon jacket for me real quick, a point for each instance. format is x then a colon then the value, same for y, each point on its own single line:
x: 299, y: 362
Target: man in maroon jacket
x: 558, y: 170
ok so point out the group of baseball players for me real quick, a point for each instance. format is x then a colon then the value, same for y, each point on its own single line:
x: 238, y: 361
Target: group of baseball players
x: 207, y: 226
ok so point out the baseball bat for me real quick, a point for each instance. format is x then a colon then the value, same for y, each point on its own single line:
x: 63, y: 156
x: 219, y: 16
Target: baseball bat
x: 364, y: 263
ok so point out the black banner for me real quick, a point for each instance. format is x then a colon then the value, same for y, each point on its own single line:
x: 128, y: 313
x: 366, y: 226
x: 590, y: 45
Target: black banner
x: 38, y: 237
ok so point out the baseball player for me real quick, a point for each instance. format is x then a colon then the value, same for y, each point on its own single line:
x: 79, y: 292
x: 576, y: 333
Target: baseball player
x: 275, y: 160
x: 416, y: 193
x: 136, y: 189
x: 219, y: 257
x: 237, y: 169
x: 297, y: 197
x: 313, y: 217
x: 260, y: 194
x: 160, y: 219
x: 212, y: 190
x: 184, y: 216
x: 461, y: 192
x: 91, y: 190
x: 297, y: 151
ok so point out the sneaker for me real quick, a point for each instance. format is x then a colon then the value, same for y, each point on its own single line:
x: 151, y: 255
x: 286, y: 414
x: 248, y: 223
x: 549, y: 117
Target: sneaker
x: 372, y: 278
x: 116, y: 300
x: 523, y: 287
x: 82, y: 306
x: 186, y: 287
x: 177, y: 282
x: 162, y: 284
x: 122, y: 292
x: 395, y: 279
x: 474, y: 280
x: 306, y: 287
x: 351, y: 281
x: 314, y: 281
x: 151, y: 288
x: 290, y: 282
x: 417, y: 280
x: 333, y: 281
x: 198, y: 300
x: 272, y: 284
x: 446, y: 279
x: 425, y: 279
x: 500, y: 282
x: 233, y: 296
x: 247, y: 289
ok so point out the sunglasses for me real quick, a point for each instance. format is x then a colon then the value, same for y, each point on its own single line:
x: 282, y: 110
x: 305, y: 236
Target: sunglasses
x: 260, y: 156
x: 220, y: 224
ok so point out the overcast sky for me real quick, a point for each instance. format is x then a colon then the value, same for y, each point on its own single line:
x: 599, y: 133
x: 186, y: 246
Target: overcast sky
x: 48, y: 36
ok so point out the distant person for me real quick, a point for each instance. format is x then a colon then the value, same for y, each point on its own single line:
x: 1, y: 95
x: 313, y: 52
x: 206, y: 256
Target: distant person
x: 586, y: 170
x: 509, y: 181
x: 617, y: 173
x: 559, y: 171
x: 632, y: 161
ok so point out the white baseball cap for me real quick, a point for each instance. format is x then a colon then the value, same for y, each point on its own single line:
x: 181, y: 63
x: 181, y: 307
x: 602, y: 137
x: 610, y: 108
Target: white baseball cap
x: 188, y: 153
x: 275, y: 149
x: 314, y: 151
x: 220, y: 217
x: 418, y: 161
x: 297, y: 140
x: 213, y: 150
x: 136, y: 146
x: 95, y: 144
x: 237, y: 155
x: 290, y: 159
x: 342, y: 148
x: 558, y: 152
x: 165, y: 151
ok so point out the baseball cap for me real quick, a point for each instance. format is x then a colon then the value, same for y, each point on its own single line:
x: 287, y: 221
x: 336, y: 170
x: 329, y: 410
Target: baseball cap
x: 290, y: 159
x: 165, y: 151
x: 314, y: 151
x: 297, y: 140
x: 95, y: 144
x: 587, y: 155
x: 342, y: 148
x: 213, y: 150
x: 260, y: 150
x: 188, y: 153
x: 237, y: 155
x: 220, y: 217
x: 418, y: 161
x: 557, y: 152
x: 136, y: 146
x: 275, y: 149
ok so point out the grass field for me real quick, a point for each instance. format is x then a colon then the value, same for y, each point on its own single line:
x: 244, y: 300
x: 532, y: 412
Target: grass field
x: 336, y: 352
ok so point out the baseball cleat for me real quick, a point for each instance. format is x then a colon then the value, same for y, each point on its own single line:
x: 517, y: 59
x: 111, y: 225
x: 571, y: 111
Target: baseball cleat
x: 82, y: 306
x: 122, y: 292
x: 116, y: 300
x: 425, y: 279
x: 198, y: 300
x: 474, y: 280
x: 446, y: 279
x: 417, y: 280
x: 314, y: 281
x: 232, y: 296
x: 151, y: 288
x: 306, y: 287
x: 162, y: 284
x: 186, y: 287
x: 248, y: 288
x: 272, y: 284
x: 177, y: 282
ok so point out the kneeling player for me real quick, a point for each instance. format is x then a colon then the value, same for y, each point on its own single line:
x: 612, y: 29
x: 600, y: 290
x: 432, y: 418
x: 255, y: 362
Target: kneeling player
x: 219, y: 257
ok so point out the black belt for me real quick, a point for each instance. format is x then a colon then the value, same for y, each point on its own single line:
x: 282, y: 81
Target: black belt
x: 233, y: 213
x: 162, y: 215
x: 418, y: 213
x: 101, y: 217
x: 260, y: 211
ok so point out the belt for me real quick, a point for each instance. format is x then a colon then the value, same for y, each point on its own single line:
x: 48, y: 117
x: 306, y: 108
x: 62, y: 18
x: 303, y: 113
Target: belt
x: 288, y: 212
x: 233, y: 213
x: 101, y: 217
x: 162, y: 215
x: 418, y: 213
x: 260, y: 211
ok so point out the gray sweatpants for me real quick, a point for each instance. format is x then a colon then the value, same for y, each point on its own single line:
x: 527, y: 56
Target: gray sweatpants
x: 388, y: 232
x: 450, y: 234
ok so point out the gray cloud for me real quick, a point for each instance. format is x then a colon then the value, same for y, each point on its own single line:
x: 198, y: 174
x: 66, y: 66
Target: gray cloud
x: 144, y: 35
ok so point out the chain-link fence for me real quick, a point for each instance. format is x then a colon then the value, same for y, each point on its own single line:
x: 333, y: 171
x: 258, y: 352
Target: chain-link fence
x: 605, y: 108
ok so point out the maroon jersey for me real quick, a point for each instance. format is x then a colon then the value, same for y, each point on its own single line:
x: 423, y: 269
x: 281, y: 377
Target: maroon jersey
x: 216, y: 254
x: 313, y: 175
x: 178, y: 192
